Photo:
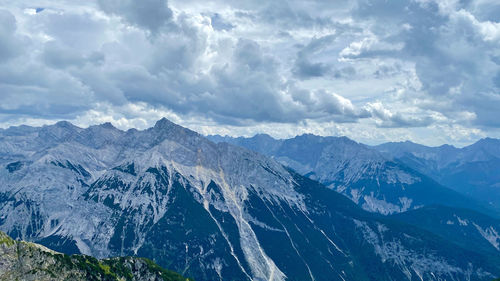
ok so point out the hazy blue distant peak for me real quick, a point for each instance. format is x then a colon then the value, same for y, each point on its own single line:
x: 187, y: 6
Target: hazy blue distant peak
x: 488, y: 140
x: 400, y: 149
x: 218, y: 138
x: 164, y: 129
x: 165, y: 126
x: 107, y: 125
x: 487, y: 146
x: 164, y: 123
x: 485, y: 143
x: 104, y: 128
x: 19, y: 130
x: 375, y: 177
x: 448, y: 147
x: 309, y: 136
x: 64, y: 124
x: 230, y: 138
x: 264, y: 136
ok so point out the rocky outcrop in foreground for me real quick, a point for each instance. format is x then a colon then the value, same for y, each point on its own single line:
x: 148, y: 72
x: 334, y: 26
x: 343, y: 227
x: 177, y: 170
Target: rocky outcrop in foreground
x: 21, y: 260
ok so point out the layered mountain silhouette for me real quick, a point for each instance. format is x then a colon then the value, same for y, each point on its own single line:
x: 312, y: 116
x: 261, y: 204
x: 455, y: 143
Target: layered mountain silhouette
x: 471, y: 170
x: 372, y: 179
x: 215, y: 211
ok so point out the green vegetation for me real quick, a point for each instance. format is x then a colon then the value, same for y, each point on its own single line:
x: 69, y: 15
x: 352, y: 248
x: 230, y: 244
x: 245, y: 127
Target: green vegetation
x: 165, y: 274
x: 5, y: 239
x: 39, y: 263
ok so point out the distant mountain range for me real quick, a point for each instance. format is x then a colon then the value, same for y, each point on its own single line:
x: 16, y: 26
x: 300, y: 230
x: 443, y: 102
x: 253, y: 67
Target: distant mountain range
x: 215, y: 211
x: 382, y: 179
x: 473, y: 170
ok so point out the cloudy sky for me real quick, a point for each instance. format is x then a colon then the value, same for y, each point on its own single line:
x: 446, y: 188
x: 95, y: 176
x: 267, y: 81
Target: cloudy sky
x: 374, y: 70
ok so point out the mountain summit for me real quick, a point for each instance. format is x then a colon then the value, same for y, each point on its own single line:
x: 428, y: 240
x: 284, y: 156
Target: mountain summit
x: 365, y: 175
x: 209, y: 211
x: 471, y: 170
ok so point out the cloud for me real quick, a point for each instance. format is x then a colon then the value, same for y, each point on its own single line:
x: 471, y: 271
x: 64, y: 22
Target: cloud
x: 304, y: 67
x: 389, y: 119
x: 453, y: 51
x: 33, y: 90
x: 362, y: 65
x: 149, y: 14
x: 185, y: 67
x: 10, y: 44
x: 218, y: 23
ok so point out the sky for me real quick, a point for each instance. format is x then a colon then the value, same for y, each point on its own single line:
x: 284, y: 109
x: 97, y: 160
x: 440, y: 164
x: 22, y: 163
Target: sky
x: 372, y: 70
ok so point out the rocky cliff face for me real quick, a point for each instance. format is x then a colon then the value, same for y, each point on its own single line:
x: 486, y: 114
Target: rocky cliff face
x: 209, y: 211
x: 369, y: 178
x: 471, y: 170
x: 21, y: 260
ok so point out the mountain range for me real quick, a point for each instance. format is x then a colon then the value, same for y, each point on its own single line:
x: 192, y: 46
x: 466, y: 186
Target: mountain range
x: 216, y: 211
x: 471, y: 170
x: 376, y: 178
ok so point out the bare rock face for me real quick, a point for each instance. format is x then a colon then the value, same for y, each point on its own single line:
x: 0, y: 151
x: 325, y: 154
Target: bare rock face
x: 379, y: 179
x: 210, y: 211
x: 21, y: 260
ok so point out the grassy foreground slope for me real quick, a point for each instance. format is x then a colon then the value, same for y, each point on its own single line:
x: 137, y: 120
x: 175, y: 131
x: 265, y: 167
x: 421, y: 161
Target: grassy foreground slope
x: 21, y: 260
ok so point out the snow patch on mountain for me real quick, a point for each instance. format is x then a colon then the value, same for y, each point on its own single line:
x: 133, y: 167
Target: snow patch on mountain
x: 397, y: 176
x: 462, y: 222
x: 410, y: 262
x: 490, y: 234
x: 373, y: 204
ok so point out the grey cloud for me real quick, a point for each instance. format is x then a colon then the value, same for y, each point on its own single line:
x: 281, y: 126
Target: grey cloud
x: 337, y: 105
x: 483, y: 10
x: 218, y: 23
x: 298, y: 14
x: 177, y: 49
x: 60, y: 57
x: 247, y: 88
x: 314, y: 60
x: 251, y: 88
x: 285, y: 15
x: 248, y: 55
x: 344, y: 72
x: 282, y: 13
x: 449, y: 48
x: 390, y: 119
x: 28, y: 87
x: 239, y: 72
x: 86, y: 32
x: 40, y: 92
x: 86, y: 69
x: 384, y: 71
x: 422, y: 20
x: 496, y: 80
x: 148, y: 14
x: 303, y: 67
x: 9, y: 43
x: 401, y: 121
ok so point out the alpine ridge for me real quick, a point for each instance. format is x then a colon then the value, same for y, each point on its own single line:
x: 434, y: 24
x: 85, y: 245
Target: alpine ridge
x: 208, y: 211
x: 369, y: 178
x: 471, y: 170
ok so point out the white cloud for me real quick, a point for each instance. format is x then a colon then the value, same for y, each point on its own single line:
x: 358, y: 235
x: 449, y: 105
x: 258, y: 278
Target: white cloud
x: 370, y: 69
